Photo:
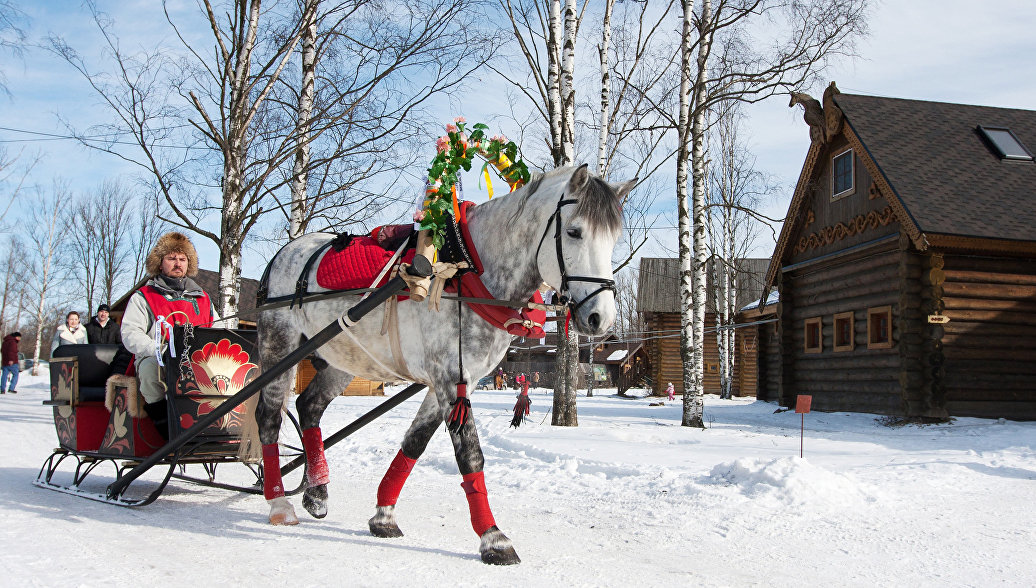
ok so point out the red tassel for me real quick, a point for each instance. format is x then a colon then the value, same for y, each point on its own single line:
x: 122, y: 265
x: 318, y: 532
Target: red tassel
x: 521, y: 409
x: 568, y: 319
x: 461, y: 409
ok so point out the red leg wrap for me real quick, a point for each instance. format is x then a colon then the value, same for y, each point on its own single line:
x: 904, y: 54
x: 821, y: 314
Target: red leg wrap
x: 478, y: 502
x: 316, y: 472
x: 273, y: 487
x: 392, y: 483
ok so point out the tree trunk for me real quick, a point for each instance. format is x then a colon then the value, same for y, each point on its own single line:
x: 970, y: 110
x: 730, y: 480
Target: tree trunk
x: 300, y: 173
x: 554, y: 35
x: 692, y: 399
x: 602, y: 143
x: 568, y: 89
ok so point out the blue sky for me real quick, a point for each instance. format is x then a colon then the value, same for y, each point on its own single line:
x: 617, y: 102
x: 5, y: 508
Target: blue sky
x: 949, y: 50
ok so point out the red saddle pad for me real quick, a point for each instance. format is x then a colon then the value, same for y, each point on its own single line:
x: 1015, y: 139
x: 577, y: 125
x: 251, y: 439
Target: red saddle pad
x: 356, y: 265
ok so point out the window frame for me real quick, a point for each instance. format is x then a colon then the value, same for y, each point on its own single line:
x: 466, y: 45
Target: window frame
x: 851, y: 316
x: 819, y: 323
x: 875, y: 311
x: 852, y: 175
x: 998, y: 146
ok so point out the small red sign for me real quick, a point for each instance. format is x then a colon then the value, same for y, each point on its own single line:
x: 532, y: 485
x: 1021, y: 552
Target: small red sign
x: 802, y: 403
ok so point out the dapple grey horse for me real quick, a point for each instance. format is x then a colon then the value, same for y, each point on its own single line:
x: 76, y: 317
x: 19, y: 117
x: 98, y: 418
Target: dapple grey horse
x: 560, y: 230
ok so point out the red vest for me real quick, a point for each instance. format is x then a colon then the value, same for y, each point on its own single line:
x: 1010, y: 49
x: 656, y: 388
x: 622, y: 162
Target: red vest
x: 196, y: 310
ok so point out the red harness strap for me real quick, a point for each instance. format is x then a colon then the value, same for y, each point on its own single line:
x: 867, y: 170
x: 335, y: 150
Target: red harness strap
x: 502, y: 317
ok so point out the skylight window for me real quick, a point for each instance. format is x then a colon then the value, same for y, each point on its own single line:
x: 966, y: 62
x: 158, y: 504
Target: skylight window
x: 1005, y: 143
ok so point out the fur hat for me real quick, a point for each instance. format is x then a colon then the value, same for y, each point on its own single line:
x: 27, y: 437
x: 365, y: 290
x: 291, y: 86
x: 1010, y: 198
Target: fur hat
x: 172, y: 243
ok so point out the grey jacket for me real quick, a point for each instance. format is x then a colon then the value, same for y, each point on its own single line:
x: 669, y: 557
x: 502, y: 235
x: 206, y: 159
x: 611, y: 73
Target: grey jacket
x: 138, y: 322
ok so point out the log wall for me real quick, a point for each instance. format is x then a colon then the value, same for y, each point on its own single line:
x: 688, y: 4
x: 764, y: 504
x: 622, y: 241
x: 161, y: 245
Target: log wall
x: 664, y: 354
x: 860, y: 380
x: 769, y: 362
x: 989, y: 345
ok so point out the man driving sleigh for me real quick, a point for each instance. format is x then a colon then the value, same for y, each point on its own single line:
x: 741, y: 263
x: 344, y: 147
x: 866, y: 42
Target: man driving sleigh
x: 170, y: 297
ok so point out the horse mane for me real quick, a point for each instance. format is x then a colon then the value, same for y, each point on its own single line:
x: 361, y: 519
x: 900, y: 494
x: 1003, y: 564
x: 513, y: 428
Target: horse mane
x: 599, y: 205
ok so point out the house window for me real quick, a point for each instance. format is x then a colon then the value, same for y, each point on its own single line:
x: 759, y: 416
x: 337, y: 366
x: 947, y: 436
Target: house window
x: 844, y: 331
x: 712, y: 368
x: 879, y: 327
x: 842, y: 175
x: 1005, y: 143
x: 814, y: 341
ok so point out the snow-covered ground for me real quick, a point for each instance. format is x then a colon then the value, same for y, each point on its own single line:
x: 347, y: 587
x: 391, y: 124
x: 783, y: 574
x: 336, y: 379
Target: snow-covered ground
x: 627, y: 498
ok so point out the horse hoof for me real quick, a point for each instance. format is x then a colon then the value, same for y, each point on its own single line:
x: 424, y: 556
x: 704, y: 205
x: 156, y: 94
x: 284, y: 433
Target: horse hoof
x: 385, y: 531
x: 282, y: 512
x: 383, y: 523
x: 496, y: 548
x: 314, y: 499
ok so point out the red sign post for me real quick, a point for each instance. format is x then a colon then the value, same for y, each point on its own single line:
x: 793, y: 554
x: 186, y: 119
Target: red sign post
x: 802, y: 403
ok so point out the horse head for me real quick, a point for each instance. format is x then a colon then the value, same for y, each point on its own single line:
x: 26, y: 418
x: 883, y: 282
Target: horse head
x: 583, y: 231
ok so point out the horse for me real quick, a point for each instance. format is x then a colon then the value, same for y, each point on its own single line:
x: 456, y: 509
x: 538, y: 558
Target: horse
x: 512, y: 237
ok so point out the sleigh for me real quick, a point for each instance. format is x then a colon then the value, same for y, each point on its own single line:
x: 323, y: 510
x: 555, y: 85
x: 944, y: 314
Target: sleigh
x: 103, y: 431
x: 210, y: 375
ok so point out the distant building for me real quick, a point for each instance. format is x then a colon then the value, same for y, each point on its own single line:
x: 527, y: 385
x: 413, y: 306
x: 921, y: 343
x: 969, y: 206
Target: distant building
x: 658, y: 301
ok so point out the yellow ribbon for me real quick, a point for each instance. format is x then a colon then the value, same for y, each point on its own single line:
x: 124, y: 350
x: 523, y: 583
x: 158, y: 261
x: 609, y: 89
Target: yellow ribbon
x: 489, y: 182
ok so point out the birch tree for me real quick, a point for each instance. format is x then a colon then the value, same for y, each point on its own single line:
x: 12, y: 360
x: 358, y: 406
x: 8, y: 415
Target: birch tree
x: 735, y: 191
x: 48, y: 219
x: 368, y: 74
x: 14, y: 282
x: 12, y: 34
x: 747, y: 69
x: 300, y: 171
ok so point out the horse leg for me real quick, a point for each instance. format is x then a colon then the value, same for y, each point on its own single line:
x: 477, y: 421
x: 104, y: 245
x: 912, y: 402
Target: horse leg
x: 495, y: 547
x: 268, y: 415
x: 322, y: 389
x: 274, y: 343
x: 427, y: 421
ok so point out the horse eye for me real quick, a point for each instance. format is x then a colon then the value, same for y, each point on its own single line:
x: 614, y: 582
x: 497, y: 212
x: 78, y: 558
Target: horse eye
x: 575, y: 233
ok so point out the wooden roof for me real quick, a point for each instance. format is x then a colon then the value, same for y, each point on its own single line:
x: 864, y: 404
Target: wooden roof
x: 658, y: 289
x: 939, y: 166
x: 945, y: 185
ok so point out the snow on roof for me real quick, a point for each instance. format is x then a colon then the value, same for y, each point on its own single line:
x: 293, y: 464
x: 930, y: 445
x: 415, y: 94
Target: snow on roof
x: 616, y: 355
x: 773, y: 298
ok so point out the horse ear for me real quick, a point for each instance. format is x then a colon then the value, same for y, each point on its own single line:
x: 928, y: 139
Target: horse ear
x: 579, y: 180
x: 623, y: 190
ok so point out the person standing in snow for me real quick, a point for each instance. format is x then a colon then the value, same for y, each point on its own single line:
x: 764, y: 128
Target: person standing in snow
x: 70, y: 333
x: 173, y: 295
x: 670, y: 391
x: 9, y: 359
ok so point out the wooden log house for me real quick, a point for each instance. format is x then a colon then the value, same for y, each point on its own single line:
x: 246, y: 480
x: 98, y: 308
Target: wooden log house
x: 658, y: 301
x: 906, y: 267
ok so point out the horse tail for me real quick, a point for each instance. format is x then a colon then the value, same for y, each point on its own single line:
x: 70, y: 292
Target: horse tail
x: 250, y: 448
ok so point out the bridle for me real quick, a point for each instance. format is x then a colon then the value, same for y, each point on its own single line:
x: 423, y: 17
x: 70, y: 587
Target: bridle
x: 564, y: 296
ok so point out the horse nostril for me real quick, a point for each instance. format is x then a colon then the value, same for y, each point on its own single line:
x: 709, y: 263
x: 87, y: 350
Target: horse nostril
x: 594, y: 320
